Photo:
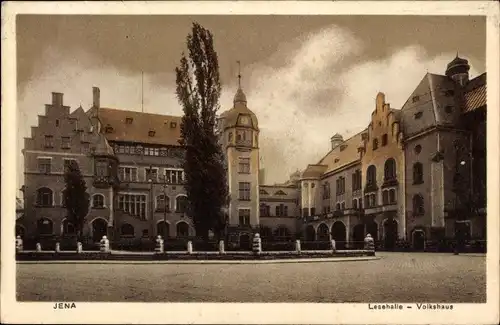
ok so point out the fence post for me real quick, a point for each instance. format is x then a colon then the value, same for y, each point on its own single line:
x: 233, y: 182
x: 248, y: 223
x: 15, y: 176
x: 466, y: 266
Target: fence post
x: 79, y: 247
x: 160, y: 248
x: 58, y: 247
x: 257, y: 244
x: 190, y: 247
x: 221, y: 247
x: 334, y: 246
x: 104, y: 244
x: 19, y: 244
x: 298, y: 249
x: 38, y: 247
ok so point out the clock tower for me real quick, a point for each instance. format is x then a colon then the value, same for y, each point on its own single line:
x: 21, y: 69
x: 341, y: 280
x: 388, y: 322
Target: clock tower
x: 240, y: 139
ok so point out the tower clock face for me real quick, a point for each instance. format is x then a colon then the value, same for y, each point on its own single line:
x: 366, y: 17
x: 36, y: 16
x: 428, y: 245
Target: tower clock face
x: 244, y: 120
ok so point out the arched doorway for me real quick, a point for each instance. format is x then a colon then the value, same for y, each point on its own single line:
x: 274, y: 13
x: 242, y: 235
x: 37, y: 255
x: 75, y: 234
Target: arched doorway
x: 310, y: 233
x: 390, y: 234
x: 339, y: 234
x: 358, y: 235
x: 323, y: 232
x: 163, y: 229
x: 182, y: 229
x: 245, y: 242
x: 418, y: 240
x: 99, y: 229
x: 20, y: 231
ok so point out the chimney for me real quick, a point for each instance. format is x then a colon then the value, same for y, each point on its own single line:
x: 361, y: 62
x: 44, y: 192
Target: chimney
x: 96, y: 95
x: 57, y: 99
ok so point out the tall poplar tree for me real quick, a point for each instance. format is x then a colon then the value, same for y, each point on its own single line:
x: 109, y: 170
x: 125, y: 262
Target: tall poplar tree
x: 76, y: 198
x: 198, y: 91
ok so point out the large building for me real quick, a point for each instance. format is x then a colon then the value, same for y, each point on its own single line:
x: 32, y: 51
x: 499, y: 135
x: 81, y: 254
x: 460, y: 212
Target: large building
x: 414, y: 175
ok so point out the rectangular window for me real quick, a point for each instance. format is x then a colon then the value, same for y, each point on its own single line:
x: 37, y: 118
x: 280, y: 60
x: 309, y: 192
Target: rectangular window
x: 244, y: 166
x: 127, y: 174
x: 49, y: 141
x: 85, y: 147
x: 244, y: 216
x: 44, y: 165
x: 415, y: 99
x: 174, y: 176
x: 101, y: 168
x: 152, y: 174
x: 65, y: 142
x: 244, y: 191
x: 133, y: 204
x: 68, y: 162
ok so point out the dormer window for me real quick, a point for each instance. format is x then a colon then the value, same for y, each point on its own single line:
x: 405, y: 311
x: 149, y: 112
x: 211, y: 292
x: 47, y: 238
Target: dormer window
x: 151, y: 133
x: 128, y: 120
x: 173, y: 125
x: 108, y: 129
x: 336, y: 160
x: 448, y: 109
x: 342, y: 147
x: 418, y: 115
x: 415, y: 99
x: 57, y: 122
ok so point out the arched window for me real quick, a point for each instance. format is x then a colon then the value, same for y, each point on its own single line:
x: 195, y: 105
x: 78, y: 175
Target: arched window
x: 44, y: 197
x: 392, y: 196
x: 68, y: 228
x: 390, y: 169
x: 44, y: 226
x: 127, y: 229
x: 371, y: 175
x: 181, y: 204
x: 162, y: 229
x: 98, y: 201
x: 418, y: 205
x: 182, y: 229
x: 337, y: 206
x: 355, y: 204
x: 162, y: 203
x: 418, y: 173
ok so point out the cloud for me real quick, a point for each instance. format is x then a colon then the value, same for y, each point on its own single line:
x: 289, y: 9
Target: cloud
x: 317, y: 91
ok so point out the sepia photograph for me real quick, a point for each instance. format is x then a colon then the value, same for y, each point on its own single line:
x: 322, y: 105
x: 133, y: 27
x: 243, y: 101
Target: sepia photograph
x: 251, y: 157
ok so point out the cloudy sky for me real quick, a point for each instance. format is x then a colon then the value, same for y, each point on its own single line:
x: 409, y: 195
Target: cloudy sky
x: 306, y: 77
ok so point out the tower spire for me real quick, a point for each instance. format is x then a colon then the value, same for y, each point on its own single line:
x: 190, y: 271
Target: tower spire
x: 239, y: 74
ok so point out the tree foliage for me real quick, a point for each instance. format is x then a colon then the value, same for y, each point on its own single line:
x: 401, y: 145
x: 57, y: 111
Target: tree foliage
x: 198, y: 91
x: 76, y: 197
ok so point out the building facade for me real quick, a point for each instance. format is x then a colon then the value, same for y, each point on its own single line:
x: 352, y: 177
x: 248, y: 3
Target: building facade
x: 414, y: 175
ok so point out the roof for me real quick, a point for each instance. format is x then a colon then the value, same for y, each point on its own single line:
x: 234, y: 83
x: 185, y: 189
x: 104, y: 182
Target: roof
x: 314, y: 171
x: 345, y: 154
x: 132, y: 126
x: 475, y: 99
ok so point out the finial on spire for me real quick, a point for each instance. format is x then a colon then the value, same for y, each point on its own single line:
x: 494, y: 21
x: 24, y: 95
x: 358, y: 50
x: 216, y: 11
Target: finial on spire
x: 239, y: 74
x: 457, y: 53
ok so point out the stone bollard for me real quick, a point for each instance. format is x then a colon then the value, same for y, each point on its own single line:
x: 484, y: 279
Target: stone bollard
x: 298, y: 249
x: 104, y: 244
x: 334, y: 245
x: 19, y: 244
x: 38, y: 247
x: 257, y: 244
x: 160, y: 246
x: 58, y: 248
x: 221, y: 247
x: 369, y: 243
x: 190, y: 247
x: 79, y: 247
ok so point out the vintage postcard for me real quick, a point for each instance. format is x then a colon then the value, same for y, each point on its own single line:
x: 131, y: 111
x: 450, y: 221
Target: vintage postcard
x: 250, y: 162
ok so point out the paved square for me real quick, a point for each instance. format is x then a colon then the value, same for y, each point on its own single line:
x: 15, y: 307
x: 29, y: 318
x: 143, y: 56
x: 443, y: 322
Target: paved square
x: 396, y: 277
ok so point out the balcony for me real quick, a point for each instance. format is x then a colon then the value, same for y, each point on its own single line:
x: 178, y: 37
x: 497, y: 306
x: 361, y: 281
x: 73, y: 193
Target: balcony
x: 100, y: 181
x: 371, y: 187
x: 388, y: 182
x: 381, y: 208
